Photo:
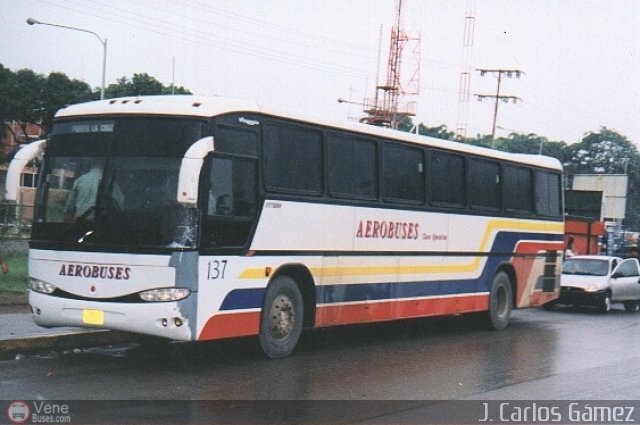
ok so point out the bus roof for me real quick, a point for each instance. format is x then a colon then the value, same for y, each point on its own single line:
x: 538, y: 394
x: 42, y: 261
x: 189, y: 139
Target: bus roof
x: 200, y: 106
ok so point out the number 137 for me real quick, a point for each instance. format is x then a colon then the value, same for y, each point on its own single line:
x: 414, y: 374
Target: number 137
x: 216, y: 269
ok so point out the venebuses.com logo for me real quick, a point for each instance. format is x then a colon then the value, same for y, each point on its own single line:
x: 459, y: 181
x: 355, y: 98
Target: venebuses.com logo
x: 18, y: 412
x: 38, y: 412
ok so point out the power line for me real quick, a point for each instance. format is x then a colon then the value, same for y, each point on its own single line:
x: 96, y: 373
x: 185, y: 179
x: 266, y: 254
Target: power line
x: 280, y: 28
x: 169, y: 29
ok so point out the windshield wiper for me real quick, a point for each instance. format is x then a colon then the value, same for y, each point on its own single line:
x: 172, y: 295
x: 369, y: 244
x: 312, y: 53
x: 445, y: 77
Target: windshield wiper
x: 86, y: 235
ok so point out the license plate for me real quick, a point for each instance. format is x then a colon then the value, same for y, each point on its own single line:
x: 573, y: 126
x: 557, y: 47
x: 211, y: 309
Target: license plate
x: 93, y: 317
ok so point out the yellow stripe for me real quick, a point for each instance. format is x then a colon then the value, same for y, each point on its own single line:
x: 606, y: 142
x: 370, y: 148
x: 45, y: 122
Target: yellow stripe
x: 492, y: 226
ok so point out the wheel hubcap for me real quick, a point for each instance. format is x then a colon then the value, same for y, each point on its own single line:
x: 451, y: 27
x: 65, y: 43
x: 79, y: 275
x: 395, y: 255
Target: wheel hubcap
x: 281, y: 317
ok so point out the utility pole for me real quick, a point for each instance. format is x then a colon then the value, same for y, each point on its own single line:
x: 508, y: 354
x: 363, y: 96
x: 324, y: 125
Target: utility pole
x: 500, y: 72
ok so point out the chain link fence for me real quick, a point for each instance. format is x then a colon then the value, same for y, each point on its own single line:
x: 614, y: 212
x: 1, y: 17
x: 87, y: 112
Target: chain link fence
x: 15, y: 220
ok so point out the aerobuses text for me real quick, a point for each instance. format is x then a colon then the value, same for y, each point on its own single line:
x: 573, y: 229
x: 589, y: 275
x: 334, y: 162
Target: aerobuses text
x: 402, y: 230
x: 95, y: 271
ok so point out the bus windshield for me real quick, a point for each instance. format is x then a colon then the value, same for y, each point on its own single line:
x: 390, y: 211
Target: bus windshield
x: 112, y: 184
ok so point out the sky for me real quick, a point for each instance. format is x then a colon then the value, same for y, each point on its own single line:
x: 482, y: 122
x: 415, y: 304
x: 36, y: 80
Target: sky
x: 580, y: 58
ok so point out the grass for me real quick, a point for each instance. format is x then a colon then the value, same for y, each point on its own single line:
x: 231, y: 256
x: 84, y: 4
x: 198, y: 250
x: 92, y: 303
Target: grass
x: 16, y: 280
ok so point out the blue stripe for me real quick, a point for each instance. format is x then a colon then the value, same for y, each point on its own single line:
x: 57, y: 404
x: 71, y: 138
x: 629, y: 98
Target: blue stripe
x: 504, y: 242
x: 387, y: 291
x: 243, y: 298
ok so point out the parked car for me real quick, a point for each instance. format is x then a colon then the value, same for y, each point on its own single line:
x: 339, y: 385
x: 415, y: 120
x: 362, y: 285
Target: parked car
x: 599, y: 281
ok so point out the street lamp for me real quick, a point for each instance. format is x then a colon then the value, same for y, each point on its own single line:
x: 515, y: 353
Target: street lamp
x: 32, y: 21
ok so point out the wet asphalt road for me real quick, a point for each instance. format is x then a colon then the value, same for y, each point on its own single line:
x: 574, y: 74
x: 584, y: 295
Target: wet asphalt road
x: 562, y: 354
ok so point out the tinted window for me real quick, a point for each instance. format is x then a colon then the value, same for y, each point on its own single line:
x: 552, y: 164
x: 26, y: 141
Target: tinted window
x: 547, y: 191
x: 125, y: 137
x: 518, y: 189
x: 628, y: 268
x: 484, y: 184
x: 447, y: 179
x: 352, y: 167
x: 231, y: 202
x: 235, y: 140
x: 232, y: 188
x: 293, y: 159
x: 403, y: 173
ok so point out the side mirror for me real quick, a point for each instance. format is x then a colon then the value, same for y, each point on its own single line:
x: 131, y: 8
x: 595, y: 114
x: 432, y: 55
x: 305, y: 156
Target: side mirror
x: 190, y: 169
x: 23, y: 157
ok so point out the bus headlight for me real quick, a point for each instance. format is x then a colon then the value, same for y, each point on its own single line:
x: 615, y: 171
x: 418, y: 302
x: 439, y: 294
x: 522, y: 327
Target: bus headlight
x: 164, y: 294
x: 591, y: 288
x: 41, y: 286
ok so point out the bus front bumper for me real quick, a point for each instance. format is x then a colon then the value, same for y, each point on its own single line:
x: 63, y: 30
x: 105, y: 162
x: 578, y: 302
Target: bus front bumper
x: 163, y: 319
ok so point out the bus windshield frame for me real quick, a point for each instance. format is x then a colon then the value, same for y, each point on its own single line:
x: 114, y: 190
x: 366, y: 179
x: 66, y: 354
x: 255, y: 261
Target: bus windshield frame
x: 110, y: 183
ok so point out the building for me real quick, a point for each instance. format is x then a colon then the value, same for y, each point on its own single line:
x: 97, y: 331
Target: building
x: 17, y: 216
x: 10, y: 140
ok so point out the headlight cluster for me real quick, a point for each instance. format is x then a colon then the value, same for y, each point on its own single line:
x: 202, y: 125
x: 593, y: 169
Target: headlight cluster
x: 41, y: 286
x: 151, y: 295
x: 591, y: 288
x: 164, y: 294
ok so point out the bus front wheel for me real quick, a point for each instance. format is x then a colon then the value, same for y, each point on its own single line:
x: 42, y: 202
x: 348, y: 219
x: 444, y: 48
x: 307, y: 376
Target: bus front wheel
x: 500, y: 302
x: 281, y: 317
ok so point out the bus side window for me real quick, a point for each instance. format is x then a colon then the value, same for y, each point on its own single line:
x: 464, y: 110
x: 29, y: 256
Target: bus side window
x: 220, y: 187
x: 231, y: 203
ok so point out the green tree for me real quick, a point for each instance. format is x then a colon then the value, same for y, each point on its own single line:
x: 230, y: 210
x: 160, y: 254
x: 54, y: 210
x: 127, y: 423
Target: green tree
x: 406, y: 125
x: 28, y: 106
x: 140, y: 85
x: 556, y: 150
x: 604, y: 152
x: 59, y: 91
x: 8, y: 92
x: 439, y: 132
x: 608, y: 152
x: 21, y: 94
x: 481, y: 140
x: 521, y: 143
x: 532, y: 144
x: 30, y: 98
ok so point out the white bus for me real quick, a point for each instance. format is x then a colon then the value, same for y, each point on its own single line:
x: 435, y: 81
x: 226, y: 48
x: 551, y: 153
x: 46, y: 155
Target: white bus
x: 203, y: 218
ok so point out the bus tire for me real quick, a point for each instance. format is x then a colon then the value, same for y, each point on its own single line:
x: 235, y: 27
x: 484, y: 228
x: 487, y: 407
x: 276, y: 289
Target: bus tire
x: 281, y: 317
x: 500, y: 302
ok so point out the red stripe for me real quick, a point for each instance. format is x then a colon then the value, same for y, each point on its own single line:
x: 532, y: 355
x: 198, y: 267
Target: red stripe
x: 523, y: 268
x: 231, y: 325
x: 243, y: 324
x: 405, y: 309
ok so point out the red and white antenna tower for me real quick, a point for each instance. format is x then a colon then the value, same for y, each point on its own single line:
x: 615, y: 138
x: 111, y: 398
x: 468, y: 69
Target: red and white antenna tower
x: 386, y: 108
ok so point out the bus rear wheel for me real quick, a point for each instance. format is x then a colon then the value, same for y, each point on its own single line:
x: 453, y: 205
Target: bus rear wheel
x: 281, y: 317
x: 500, y: 302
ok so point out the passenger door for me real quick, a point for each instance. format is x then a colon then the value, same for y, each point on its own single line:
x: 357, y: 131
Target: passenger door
x: 624, y: 281
x: 231, y: 202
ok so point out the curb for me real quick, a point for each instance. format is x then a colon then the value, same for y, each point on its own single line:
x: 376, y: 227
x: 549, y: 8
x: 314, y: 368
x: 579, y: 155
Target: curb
x: 14, y: 299
x: 9, y: 348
